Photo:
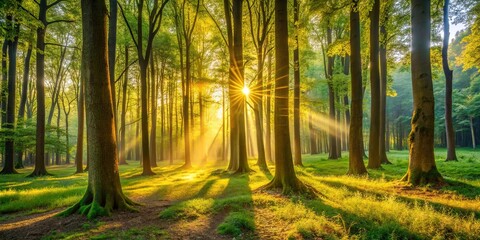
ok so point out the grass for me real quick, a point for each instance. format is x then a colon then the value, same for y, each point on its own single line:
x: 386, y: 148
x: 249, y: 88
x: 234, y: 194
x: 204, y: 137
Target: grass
x: 374, y: 207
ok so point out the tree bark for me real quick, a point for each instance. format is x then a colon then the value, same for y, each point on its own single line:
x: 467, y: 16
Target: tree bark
x: 332, y: 133
x: 374, y: 160
x: 383, y: 97
x: 104, y: 191
x: 421, y: 166
x: 123, y: 114
x: 238, y: 104
x: 40, y: 169
x: 153, y: 105
x: 8, y: 167
x: 355, y: 146
x: 449, y: 130
x: 285, y: 177
x: 296, y: 88
x: 23, y: 99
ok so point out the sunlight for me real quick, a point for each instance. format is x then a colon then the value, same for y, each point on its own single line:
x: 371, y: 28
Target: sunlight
x: 246, y: 91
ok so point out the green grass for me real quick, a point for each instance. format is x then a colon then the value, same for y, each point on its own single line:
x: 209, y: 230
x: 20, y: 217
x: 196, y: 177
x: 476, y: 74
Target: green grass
x: 377, y: 206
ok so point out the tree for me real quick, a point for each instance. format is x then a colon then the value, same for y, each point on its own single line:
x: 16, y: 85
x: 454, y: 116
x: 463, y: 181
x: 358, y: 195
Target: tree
x: 104, y: 191
x: 355, y: 145
x: 81, y: 115
x: 421, y: 165
x: 9, y: 124
x: 296, y: 87
x: 450, y: 132
x: 373, y: 146
x: 285, y: 177
x: 40, y: 169
x: 383, y: 82
x: 154, y: 23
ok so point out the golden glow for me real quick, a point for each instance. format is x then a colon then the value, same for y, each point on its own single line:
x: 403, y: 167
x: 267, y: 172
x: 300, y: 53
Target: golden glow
x: 246, y: 91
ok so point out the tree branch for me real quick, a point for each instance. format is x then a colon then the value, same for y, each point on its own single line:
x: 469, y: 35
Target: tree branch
x: 128, y: 25
x: 60, y: 20
x: 54, y: 3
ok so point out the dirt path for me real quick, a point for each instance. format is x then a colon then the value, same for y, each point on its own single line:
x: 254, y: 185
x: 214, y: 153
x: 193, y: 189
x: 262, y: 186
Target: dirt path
x: 47, y: 225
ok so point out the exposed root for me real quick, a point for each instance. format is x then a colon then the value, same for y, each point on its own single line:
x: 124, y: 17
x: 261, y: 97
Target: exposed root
x: 420, y: 178
x: 91, y: 207
x: 290, y: 187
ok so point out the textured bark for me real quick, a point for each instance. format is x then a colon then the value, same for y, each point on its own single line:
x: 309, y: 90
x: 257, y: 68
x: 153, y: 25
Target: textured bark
x: 374, y: 161
x: 112, y: 48
x: 285, y: 177
x: 268, y: 109
x: 104, y: 191
x: 450, y: 132
x: 421, y: 166
x: 123, y: 114
x: 239, y: 72
x: 4, y: 84
x: 81, y: 116
x: 383, y: 98
x: 8, y: 167
x: 40, y: 169
x: 355, y: 146
x: 23, y: 99
x: 296, y: 89
x: 332, y: 133
x: 153, y: 106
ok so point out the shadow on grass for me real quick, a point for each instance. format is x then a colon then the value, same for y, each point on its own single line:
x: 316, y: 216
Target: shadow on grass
x: 411, y: 201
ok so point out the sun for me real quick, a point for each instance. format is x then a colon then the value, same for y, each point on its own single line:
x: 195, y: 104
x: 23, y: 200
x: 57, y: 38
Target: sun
x: 246, y: 91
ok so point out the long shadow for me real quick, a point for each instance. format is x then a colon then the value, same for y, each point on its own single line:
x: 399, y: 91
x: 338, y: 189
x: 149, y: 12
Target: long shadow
x: 463, y: 189
x: 235, y: 199
x: 408, y: 200
x: 358, y: 225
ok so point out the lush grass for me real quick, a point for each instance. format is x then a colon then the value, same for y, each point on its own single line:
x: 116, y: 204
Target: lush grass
x: 374, y: 207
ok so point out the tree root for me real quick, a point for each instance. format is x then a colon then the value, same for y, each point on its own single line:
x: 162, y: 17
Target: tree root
x: 91, y: 207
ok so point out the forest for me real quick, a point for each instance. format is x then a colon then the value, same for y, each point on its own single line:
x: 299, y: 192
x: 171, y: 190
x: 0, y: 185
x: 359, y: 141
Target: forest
x: 240, y: 119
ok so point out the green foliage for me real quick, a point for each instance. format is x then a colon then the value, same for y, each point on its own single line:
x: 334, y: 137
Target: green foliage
x: 237, y: 223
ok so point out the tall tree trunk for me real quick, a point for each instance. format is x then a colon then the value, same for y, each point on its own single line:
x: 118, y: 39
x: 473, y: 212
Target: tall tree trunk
x: 355, y: 145
x: 313, y: 140
x: 112, y: 48
x: 258, y: 111
x: 123, y: 114
x: 153, y: 105
x: 238, y: 104
x: 40, y: 169
x: 58, y: 159
x: 104, y: 191
x: 147, y: 169
x: 332, y: 139
x: 81, y: 116
x: 374, y: 160
x: 421, y: 165
x: 285, y: 177
x: 23, y: 99
x: 8, y: 167
x: 296, y: 89
x: 383, y: 97
x: 346, y: 69
x: 4, y: 84
x: 268, y: 141
x: 451, y: 154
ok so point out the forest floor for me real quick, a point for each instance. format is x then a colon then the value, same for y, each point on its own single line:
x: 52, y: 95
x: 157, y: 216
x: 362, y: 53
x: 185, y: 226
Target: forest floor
x: 206, y: 202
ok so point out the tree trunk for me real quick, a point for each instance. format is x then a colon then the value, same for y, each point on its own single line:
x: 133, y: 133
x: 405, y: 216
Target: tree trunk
x: 23, y: 99
x: 313, y: 140
x: 374, y: 160
x: 268, y: 141
x: 3, y: 87
x: 40, y: 169
x: 238, y: 104
x: 153, y: 105
x: 451, y: 154
x: 355, y: 146
x: 8, y: 167
x: 383, y: 98
x: 58, y: 159
x: 421, y: 166
x: 123, y: 143
x: 258, y: 111
x: 112, y: 48
x: 332, y: 139
x: 296, y: 89
x: 81, y: 116
x: 285, y: 177
x: 104, y: 191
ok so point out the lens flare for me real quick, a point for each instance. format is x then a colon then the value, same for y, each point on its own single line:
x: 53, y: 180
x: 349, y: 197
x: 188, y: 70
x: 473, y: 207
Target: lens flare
x: 246, y: 91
